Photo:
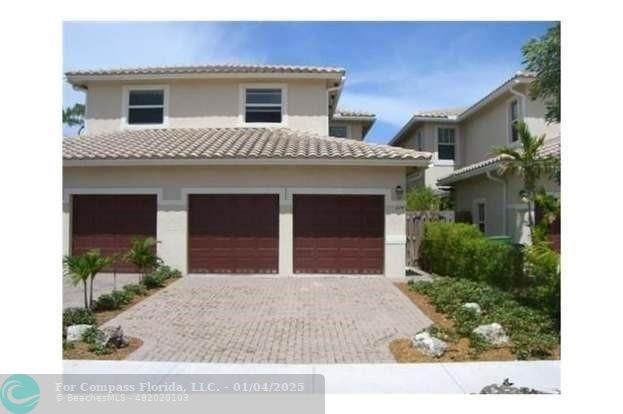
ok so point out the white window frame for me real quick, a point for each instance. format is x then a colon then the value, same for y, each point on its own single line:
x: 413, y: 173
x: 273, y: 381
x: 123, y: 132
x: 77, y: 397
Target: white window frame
x: 509, y: 134
x: 476, y: 218
x: 348, y: 135
x: 125, y: 105
x: 437, y: 160
x: 242, y: 97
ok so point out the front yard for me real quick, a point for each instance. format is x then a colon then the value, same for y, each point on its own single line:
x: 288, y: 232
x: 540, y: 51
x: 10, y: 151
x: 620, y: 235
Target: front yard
x: 532, y: 334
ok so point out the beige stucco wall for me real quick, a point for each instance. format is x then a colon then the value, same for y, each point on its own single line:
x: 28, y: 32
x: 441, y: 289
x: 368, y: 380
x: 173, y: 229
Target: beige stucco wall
x: 500, y: 202
x: 169, y: 182
x: 438, y: 168
x: 209, y: 104
x: 489, y: 127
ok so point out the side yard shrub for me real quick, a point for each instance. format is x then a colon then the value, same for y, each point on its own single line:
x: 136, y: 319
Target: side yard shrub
x: 78, y: 316
x: 543, y: 270
x: 533, y: 333
x: 461, y: 250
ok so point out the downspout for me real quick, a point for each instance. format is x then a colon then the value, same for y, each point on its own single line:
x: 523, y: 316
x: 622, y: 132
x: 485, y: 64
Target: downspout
x: 503, y: 182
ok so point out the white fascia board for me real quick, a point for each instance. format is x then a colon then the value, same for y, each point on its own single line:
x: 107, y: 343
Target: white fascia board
x: 245, y: 161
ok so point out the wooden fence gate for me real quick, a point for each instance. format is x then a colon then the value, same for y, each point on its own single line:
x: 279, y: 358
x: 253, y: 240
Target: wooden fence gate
x: 415, y: 230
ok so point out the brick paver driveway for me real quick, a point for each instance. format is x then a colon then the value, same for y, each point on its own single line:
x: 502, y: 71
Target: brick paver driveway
x: 239, y: 319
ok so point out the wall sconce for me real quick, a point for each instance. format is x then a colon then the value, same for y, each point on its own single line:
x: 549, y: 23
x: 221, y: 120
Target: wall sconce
x: 523, y: 195
x: 399, y: 192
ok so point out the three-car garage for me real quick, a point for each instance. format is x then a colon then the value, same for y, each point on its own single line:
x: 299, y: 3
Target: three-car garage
x: 239, y: 233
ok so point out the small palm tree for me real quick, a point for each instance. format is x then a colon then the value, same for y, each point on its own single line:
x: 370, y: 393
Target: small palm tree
x: 74, y: 115
x: 78, y: 270
x: 528, y: 162
x: 142, y: 255
x: 95, y: 263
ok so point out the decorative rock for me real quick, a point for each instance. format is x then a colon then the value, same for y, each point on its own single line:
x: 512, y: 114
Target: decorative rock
x: 429, y: 345
x: 473, y: 306
x: 74, y: 332
x: 112, y: 336
x: 493, y: 333
x: 507, y: 388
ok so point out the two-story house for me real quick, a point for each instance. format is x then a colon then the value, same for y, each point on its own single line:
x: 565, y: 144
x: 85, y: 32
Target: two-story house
x: 233, y: 169
x: 462, y: 141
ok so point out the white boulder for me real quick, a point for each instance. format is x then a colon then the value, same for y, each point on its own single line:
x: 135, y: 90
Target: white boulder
x: 473, y: 306
x: 74, y: 332
x: 429, y: 345
x: 493, y: 333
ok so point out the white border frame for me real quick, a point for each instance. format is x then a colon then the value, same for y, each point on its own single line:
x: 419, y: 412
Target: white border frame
x: 125, y: 103
x: 242, y: 87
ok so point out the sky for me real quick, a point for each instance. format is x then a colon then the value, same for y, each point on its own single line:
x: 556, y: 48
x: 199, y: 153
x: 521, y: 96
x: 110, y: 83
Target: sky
x: 393, y: 69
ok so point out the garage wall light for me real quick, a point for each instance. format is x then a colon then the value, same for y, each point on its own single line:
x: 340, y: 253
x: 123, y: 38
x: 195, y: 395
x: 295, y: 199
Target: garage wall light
x: 399, y: 191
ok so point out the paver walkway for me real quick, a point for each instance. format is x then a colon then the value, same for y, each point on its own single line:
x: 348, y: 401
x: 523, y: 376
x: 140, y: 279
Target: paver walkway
x: 240, y: 319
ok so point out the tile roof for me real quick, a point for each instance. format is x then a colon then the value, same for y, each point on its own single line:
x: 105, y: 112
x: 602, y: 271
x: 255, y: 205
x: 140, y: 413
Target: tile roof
x: 227, y: 144
x: 550, y: 147
x: 224, y: 68
x: 459, y: 114
x: 348, y: 113
x: 441, y: 113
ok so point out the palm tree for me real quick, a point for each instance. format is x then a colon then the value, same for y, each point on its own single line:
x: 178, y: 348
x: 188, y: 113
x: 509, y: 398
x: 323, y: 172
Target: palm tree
x: 95, y: 263
x: 142, y: 255
x: 84, y: 267
x: 528, y: 162
x: 77, y: 269
x: 74, y: 115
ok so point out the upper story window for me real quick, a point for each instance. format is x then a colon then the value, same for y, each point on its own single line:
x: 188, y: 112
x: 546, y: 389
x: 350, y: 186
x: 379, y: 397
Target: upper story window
x: 513, y: 117
x: 338, y: 131
x: 446, y: 143
x: 145, y: 105
x: 263, y: 105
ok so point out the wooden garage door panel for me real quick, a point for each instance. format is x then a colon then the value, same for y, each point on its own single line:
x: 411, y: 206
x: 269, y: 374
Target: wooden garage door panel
x: 110, y: 222
x: 233, y: 233
x: 339, y: 234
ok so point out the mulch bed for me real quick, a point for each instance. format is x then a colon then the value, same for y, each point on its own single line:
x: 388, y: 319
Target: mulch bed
x: 458, y: 350
x: 80, y: 350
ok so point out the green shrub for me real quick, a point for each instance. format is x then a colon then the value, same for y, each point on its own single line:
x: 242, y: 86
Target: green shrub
x: 461, y: 250
x: 153, y: 281
x: 423, y: 199
x: 167, y: 272
x: 78, y: 316
x: 543, y: 269
x: 136, y: 289
x: 90, y: 335
x: 113, y: 300
x: 533, y: 333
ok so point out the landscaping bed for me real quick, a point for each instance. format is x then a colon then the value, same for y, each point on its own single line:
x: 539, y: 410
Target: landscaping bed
x: 88, y: 341
x: 532, y: 334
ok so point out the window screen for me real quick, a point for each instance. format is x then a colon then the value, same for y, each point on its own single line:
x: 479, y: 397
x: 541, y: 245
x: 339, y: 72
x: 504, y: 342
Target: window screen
x: 146, y: 107
x: 445, y: 143
x: 263, y: 105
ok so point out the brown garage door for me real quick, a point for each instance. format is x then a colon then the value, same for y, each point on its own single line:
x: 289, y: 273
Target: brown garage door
x: 233, y: 233
x: 111, y: 222
x: 338, y: 234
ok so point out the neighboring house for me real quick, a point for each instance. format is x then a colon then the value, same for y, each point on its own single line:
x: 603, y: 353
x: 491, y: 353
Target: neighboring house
x: 231, y: 168
x: 462, y: 141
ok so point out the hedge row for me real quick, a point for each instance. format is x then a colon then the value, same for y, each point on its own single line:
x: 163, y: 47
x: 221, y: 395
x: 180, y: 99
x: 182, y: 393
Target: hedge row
x: 461, y: 250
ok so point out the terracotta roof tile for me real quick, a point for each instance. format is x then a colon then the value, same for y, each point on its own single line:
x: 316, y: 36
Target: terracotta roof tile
x: 227, y: 143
